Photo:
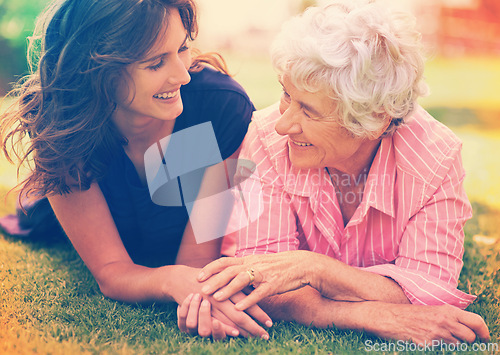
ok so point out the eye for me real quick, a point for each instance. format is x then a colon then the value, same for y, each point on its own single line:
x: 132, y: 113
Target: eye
x: 286, y: 96
x: 284, y: 101
x: 305, y: 113
x: 157, y: 66
x: 183, y: 49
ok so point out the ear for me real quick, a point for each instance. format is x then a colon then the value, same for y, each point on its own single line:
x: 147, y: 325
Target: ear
x: 387, y: 121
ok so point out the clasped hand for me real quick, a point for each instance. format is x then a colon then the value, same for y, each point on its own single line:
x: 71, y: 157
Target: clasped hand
x: 205, y: 316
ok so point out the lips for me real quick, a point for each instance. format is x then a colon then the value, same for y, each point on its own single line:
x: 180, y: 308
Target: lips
x: 166, y: 95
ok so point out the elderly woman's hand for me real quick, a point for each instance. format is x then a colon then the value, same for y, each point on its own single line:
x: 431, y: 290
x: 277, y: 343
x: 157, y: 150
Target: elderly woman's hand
x: 269, y: 275
x: 423, y: 324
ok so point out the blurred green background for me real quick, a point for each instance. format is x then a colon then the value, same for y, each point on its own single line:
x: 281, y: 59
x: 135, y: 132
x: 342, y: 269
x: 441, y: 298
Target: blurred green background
x: 16, y: 23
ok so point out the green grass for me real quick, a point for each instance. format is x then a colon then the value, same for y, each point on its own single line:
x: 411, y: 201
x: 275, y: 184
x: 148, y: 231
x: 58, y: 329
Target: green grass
x: 51, y: 304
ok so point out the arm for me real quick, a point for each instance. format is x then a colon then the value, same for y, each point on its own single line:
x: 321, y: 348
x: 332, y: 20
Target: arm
x: 282, y: 272
x: 194, y: 252
x: 230, y: 112
x: 87, y: 221
x: 420, y: 324
x: 338, y: 281
x: 432, y: 245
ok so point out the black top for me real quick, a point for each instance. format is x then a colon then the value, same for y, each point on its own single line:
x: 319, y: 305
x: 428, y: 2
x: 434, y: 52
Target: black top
x: 152, y: 233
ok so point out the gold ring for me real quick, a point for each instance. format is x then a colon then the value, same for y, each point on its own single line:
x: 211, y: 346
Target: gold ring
x: 251, y: 273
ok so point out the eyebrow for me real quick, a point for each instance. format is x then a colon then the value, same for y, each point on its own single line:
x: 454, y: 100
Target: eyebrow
x: 162, y: 54
x: 303, y: 104
x: 310, y: 109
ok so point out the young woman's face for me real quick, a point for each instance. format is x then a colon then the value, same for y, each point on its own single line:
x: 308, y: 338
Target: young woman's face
x: 155, y: 81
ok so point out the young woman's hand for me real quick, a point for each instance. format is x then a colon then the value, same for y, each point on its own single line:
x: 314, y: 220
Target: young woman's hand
x: 194, y: 317
x: 224, y: 311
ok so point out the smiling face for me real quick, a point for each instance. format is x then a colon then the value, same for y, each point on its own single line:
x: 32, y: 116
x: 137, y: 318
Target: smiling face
x: 315, y: 138
x: 154, y: 85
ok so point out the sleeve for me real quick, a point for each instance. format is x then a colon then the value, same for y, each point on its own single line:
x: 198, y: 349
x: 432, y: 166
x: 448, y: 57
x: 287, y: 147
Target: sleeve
x: 432, y: 245
x: 231, y: 115
x: 263, y: 215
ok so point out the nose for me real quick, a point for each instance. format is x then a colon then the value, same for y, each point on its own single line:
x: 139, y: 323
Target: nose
x: 180, y: 74
x: 289, y: 123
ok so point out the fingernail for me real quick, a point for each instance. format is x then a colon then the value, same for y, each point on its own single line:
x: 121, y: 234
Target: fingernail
x: 239, y: 306
x: 269, y: 323
x: 205, y: 289
x: 197, y: 297
x: 265, y: 336
x: 219, y: 295
x: 235, y: 333
x: 201, y: 276
x: 205, y: 303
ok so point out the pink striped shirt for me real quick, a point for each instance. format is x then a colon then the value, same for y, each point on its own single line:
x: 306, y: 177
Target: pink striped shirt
x: 408, y: 226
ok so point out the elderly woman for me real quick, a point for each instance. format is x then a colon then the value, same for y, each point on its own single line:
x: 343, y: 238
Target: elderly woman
x: 360, y: 188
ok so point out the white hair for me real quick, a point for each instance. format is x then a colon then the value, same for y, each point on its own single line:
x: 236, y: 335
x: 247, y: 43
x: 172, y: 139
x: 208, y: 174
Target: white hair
x: 368, y: 59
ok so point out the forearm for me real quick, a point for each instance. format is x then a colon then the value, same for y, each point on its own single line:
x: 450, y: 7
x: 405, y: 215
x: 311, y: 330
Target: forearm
x: 283, y: 272
x: 338, y: 281
x: 419, y: 324
x: 87, y: 221
x: 133, y: 283
x: 306, y: 306
x: 301, y: 306
x: 196, y: 254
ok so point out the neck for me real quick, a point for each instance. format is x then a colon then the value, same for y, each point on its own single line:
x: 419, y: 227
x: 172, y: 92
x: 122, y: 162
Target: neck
x: 142, y: 129
x: 357, y: 167
x: 345, y: 181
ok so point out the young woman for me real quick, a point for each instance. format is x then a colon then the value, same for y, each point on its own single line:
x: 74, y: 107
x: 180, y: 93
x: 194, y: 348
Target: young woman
x: 113, y: 78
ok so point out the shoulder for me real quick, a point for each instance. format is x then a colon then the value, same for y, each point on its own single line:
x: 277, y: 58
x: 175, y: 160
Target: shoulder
x: 214, y: 95
x: 424, y: 146
x: 209, y: 79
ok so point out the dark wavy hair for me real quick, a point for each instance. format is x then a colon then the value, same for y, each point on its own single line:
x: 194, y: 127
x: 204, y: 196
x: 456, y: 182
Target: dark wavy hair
x: 59, y: 124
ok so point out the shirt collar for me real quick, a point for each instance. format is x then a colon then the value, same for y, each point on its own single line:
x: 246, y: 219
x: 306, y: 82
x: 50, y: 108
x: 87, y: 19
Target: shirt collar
x: 380, y: 184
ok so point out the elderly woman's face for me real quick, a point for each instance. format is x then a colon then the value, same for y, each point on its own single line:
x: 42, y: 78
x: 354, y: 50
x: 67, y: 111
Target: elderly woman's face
x: 315, y: 138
